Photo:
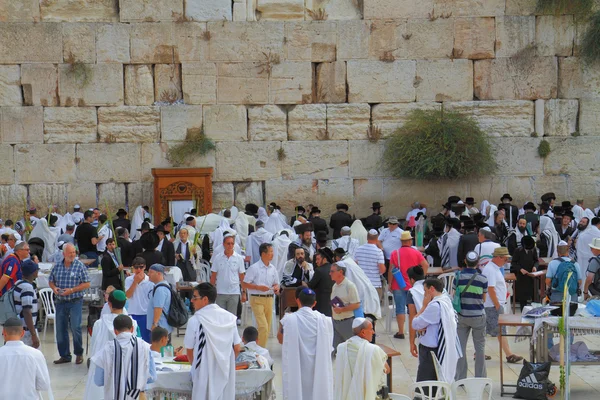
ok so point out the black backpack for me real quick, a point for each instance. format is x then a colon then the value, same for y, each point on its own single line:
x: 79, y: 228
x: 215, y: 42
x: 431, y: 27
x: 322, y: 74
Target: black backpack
x: 178, y: 314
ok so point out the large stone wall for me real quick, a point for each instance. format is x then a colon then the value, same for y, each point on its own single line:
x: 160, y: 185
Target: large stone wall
x: 83, y: 85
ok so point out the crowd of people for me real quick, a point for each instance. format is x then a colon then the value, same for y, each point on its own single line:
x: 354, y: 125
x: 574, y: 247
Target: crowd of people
x: 339, y: 270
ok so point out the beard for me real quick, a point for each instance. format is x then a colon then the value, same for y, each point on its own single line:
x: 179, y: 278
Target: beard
x: 522, y: 230
x: 300, y: 260
x: 581, y: 227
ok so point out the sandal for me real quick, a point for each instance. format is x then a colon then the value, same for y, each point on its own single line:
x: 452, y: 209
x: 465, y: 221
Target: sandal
x: 399, y: 335
x: 487, y: 358
x: 513, y: 359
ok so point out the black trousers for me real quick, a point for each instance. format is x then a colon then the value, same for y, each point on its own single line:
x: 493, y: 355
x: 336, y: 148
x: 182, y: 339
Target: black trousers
x: 426, y: 370
x: 372, y: 318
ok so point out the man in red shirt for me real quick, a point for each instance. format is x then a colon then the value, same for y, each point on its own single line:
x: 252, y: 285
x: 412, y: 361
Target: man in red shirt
x: 11, y: 267
x: 404, y: 258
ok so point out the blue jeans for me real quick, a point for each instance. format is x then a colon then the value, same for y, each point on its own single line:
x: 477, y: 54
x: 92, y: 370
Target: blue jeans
x: 400, y: 300
x: 92, y: 255
x: 68, y: 313
x: 141, y: 323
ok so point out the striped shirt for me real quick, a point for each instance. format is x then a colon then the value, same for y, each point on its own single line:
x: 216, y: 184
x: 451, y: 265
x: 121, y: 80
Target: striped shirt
x: 25, y: 297
x: 471, y: 300
x: 368, y: 257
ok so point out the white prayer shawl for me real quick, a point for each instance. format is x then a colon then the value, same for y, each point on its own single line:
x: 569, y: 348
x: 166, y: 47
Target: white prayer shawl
x: 578, y: 212
x: 67, y: 219
x: 214, y: 374
x: 584, y: 253
x: 102, y: 333
x: 276, y: 223
x: 449, y: 350
x: 254, y: 241
x: 280, y: 249
x: 589, y: 214
x: 483, y: 207
x: 208, y: 223
x: 358, y: 232
x: 241, y: 227
x: 217, y: 235
x: 347, y: 243
x: 448, y: 245
x: 105, y: 358
x: 307, y: 372
x: 418, y: 294
x: 262, y: 215
x: 366, y: 291
x: 136, y: 223
x: 362, y: 379
x: 234, y: 212
x: 548, y: 230
x: 42, y: 231
x: 490, y: 221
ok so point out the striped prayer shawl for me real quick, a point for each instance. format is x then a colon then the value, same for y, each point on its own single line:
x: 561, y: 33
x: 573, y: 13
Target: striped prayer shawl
x: 131, y: 383
x: 201, y: 344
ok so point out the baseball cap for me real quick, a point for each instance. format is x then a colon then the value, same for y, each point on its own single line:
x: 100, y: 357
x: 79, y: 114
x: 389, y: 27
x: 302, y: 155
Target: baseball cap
x: 158, y: 268
x: 28, y: 267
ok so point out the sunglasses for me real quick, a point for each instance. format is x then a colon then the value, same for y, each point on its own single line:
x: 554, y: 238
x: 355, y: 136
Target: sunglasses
x: 139, y: 266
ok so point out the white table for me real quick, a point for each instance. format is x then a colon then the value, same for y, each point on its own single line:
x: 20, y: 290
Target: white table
x: 173, y: 276
x: 94, y: 274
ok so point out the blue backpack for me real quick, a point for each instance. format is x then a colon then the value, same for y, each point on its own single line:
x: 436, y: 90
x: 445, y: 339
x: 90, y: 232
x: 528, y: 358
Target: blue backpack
x: 560, y: 279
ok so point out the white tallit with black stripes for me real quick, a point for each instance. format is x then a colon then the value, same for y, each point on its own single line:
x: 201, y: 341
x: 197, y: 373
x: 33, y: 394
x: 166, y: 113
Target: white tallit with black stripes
x: 449, y: 350
x: 448, y: 245
x: 126, y: 364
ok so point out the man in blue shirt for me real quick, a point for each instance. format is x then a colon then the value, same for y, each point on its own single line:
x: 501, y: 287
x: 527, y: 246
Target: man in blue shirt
x: 160, y: 300
x: 563, y: 255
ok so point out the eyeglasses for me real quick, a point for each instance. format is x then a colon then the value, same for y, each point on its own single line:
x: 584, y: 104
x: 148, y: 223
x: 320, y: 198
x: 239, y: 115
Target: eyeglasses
x: 139, y: 266
x: 25, y: 249
x: 196, y: 298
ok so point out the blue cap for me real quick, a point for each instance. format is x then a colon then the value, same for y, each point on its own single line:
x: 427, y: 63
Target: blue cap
x: 158, y: 268
x: 28, y: 267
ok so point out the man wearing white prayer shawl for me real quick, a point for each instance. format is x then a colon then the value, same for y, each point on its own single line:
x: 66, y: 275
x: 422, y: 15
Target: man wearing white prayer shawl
x: 585, y: 238
x: 255, y: 239
x: 346, y: 241
x: 548, y: 237
x: 281, y: 243
x: 448, y: 244
x: 124, y: 365
x: 276, y: 222
x: 241, y: 226
x: 212, y: 343
x: 358, y: 232
x: 360, y: 366
x: 438, y: 319
x: 307, y: 338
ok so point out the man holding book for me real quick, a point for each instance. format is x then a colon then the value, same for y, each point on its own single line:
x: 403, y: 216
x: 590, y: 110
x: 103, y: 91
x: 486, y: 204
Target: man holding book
x: 344, y: 300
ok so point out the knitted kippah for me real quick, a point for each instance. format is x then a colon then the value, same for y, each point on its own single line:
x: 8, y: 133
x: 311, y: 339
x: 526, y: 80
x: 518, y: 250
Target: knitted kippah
x: 119, y: 295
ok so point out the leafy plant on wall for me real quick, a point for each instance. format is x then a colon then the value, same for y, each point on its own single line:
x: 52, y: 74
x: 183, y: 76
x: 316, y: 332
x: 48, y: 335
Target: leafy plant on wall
x: 439, y: 144
x: 195, y: 144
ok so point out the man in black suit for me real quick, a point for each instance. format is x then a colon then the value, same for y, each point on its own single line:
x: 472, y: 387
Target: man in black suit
x: 340, y: 219
x: 137, y: 245
x: 149, y: 241
x: 321, y: 281
x: 467, y: 241
x: 122, y: 221
x: 183, y: 257
x: 111, y: 269
x: 374, y: 221
x: 511, y: 212
x: 319, y: 224
x: 165, y: 246
x: 299, y: 213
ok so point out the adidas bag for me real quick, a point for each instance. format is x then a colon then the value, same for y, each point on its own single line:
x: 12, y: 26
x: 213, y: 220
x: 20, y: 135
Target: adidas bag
x: 533, y: 383
x: 178, y: 312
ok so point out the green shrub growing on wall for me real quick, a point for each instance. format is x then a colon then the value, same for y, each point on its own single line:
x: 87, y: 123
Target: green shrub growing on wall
x: 590, y: 47
x: 438, y: 144
x: 195, y: 144
x: 579, y: 8
x: 544, y: 149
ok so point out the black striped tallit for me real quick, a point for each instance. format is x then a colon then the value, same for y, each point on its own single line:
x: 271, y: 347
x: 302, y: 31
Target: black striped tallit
x: 131, y: 383
x: 201, y: 344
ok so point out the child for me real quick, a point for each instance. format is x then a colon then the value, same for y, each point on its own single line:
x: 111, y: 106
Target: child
x: 249, y: 338
x: 160, y: 338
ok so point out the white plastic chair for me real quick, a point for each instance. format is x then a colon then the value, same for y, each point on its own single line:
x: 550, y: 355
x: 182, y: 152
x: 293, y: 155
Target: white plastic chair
x: 396, y: 396
x: 47, y: 298
x: 390, y: 310
x: 438, y: 367
x: 475, y: 388
x: 448, y: 279
x: 444, y: 390
x: 246, y: 313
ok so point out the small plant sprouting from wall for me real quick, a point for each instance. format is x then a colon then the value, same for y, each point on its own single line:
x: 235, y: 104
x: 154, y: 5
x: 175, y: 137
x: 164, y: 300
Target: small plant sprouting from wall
x: 374, y: 133
x: 281, y: 154
x: 590, y: 47
x: 438, y: 144
x: 270, y: 59
x: 170, y: 96
x: 387, y: 56
x: 79, y: 71
x: 544, y: 149
x: 317, y: 15
x: 195, y: 144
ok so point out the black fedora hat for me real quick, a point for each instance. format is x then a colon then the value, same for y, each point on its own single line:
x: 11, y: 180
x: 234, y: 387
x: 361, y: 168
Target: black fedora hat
x: 145, y: 226
x: 470, y: 201
x: 321, y: 237
x: 121, y: 212
x: 327, y: 253
x: 566, y: 205
x: 506, y: 196
x: 341, y: 206
x: 376, y: 205
x: 161, y: 228
x: 529, y: 206
x: 468, y: 224
x: 546, y: 197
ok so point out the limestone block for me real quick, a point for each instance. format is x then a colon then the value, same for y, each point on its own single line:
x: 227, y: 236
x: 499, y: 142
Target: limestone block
x: 111, y: 194
x: 112, y: 43
x: 104, y: 86
x: 22, y: 124
x: 80, y: 10
x: 225, y: 122
x: 586, y: 187
x: 433, y: 194
x: 589, y: 117
x: 44, y: 195
x: 245, y: 42
x: 92, y: 168
x: 492, y: 188
x: 381, y: 82
x: 577, y: 80
x: 289, y: 193
x: 247, y: 161
x: 140, y: 193
x: 248, y: 192
x: 82, y: 193
x: 291, y: 83
x: 390, y: 117
x: 243, y: 83
x: 222, y: 195
x: 70, y: 125
x: 307, y: 122
x: 337, y: 9
x: 514, y: 34
x: 527, y: 78
x: 554, y: 35
x: 504, y: 118
x: 470, y: 8
x: 539, y: 117
x: 19, y: 11
x: 581, y: 28
x: 445, y: 80
x: 366, y: 191
x: 251, y: 14
x: 311, y: 41
x: 30, y: 42
x: 520, y: 7
x: 139, y: 85
x: 150, y: 11
x: 199, y: 82
x: 396, y: 9
x: 167, y: 82
x: 429, y: 39
x: 333, y: 160
x: 46, y: 163
x: 366, y: 158
x: 129, y: 124
x: 79, y: 42
x: 40, y: 84
x: 348, y: 121
x: 474, y: 37
x: 331, y: 82
x: 152, y: 43
x: 353, y: 39
x: 386, y: 41
x: 267, y: 123
x: 334, y: 191
x: 154, y: 155
x: 11, y: 200
x: 280, y: 10
x: 176, y: 120
x: 560, y: 117
x: 10, y: 85
x: 7, y: 173
x: 520, y: 158
x: 191, y: 40
x: 574, y: 155
x: 208, y: 10
x: 240, y: 10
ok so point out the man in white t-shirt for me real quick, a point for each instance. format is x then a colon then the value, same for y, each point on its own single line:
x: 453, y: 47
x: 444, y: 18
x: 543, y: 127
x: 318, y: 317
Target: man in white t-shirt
x: 137, y: 289
x: 496, y: 298
x: 390, y: 237
x: 486, y: 246
x: 227, y: 273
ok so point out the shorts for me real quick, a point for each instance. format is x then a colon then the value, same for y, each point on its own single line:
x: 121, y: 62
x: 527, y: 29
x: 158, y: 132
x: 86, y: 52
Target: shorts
x: 491, y: 320
x: 400, y: 300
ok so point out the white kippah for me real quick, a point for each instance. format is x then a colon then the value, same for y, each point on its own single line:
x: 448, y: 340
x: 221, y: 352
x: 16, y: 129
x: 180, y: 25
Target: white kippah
x: 345, y: 229
x: 373, y: 232
x: 486, y: 228
x: 358, y: 322
x: 563, y: 243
